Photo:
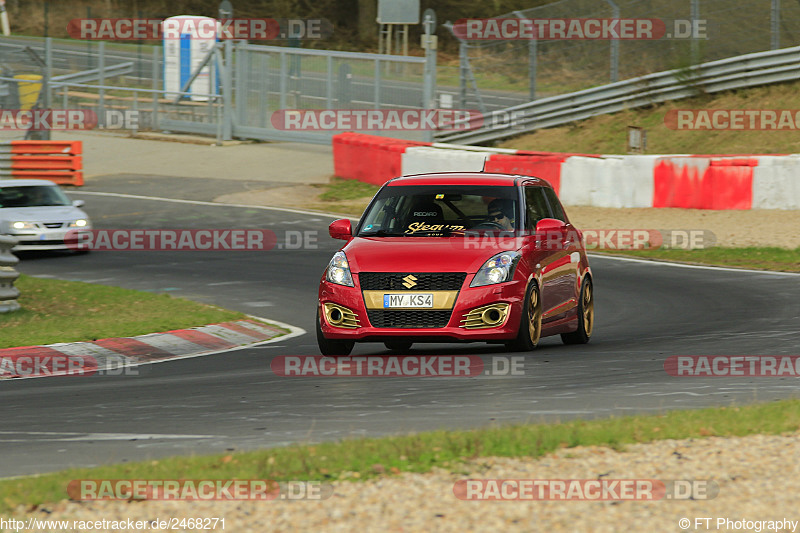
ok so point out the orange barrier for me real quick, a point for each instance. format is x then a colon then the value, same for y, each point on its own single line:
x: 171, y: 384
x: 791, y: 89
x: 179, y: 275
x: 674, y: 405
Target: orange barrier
x: 58, y: 161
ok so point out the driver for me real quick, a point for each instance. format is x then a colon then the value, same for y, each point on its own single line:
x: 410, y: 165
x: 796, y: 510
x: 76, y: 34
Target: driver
x: 501, y: 212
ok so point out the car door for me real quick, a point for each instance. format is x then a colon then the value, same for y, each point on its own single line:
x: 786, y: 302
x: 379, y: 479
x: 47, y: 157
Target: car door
x: 569, y: 258
x: 549, y: 254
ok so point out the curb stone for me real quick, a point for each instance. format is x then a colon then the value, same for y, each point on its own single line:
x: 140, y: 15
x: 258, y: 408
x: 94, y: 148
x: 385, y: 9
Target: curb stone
x: 118, y: 352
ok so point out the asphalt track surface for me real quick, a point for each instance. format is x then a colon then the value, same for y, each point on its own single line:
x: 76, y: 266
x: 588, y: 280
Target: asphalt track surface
x: 232, y: 401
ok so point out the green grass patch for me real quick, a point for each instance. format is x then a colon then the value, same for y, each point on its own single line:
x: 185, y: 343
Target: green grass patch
x: 341, y: 189
x: 756, y: 258
x: 607, y: 134
x: 70, y: 311
x: 368, y: 458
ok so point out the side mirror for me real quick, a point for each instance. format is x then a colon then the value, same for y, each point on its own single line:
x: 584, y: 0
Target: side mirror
x: 341, y: 229
x: 551, y: 234
x: 78, y: 203
x: 550, y: 225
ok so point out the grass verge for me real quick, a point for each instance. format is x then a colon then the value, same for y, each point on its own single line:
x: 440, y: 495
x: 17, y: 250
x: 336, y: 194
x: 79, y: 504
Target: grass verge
x: 70, y: 311
x: 341, y: 189
x: 607, y: 134
x: 341, y: 196
x: 368, y: 458
x: 758, y: 258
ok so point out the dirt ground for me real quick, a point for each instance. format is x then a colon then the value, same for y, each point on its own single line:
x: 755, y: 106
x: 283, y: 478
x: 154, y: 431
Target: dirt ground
x: 760, y: 227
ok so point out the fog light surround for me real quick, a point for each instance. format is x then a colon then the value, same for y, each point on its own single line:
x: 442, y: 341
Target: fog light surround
x: 488, y: 316
x: 339, y: 316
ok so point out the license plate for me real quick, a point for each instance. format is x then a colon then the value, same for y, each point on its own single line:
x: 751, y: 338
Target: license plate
x: 407, y: 300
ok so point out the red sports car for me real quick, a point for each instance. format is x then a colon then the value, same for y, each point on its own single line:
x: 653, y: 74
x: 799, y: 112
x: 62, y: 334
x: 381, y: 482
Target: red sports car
x: 467, y: 256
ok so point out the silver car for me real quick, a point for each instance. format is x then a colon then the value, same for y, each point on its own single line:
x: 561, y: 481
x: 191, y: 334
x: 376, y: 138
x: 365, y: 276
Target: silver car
x: 39, y: 214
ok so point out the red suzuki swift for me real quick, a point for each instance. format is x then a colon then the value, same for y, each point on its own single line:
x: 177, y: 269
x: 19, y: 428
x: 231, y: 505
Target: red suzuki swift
x: 449, y: 257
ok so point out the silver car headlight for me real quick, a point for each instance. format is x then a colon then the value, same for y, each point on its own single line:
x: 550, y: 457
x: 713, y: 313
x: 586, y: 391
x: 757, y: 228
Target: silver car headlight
x: 23, y: 225
x: 500, y: 268
x: 80, y: 223
x: 339, y: 270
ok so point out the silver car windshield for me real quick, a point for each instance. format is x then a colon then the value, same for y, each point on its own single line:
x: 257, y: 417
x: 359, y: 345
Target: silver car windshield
x: 32, y: 196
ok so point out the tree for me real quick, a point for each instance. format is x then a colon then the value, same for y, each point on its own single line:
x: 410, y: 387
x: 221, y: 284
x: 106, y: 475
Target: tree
x: 367, y: 13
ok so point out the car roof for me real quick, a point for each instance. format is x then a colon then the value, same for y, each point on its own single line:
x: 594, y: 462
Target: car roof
x: 24, y: 183
x: 463, y: 178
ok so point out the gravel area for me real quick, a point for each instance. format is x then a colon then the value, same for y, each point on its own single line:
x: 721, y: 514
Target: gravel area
x: 758, y: 478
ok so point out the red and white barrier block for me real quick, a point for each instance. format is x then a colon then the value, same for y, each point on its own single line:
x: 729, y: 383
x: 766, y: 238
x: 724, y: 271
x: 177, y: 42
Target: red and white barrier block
x: 683, y: 181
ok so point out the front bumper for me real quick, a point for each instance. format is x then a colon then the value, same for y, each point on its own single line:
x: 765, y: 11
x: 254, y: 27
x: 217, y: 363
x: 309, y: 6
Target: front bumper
x: 45, y: 239
x: 468, y: 299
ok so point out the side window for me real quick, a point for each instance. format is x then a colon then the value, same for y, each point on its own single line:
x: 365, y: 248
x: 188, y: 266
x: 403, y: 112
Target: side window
x: 555, y: 205
x: 536, y: 207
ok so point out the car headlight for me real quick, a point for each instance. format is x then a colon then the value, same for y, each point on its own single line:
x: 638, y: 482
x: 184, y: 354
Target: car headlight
x: 80, y: 223
x: 23, y: 225
x: 498, y: 269
x: 339, y: 270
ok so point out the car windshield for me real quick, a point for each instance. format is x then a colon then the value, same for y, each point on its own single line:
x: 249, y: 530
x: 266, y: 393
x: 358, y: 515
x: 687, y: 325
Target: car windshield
x: 440, y: 210
x: 32, y: 196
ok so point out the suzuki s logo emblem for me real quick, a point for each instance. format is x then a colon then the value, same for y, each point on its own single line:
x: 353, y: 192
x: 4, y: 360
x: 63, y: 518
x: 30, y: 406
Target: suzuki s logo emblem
x: 409, y: 281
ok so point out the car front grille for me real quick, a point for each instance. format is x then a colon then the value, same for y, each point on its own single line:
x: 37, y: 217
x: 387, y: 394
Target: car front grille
x: 409, y: 319
x: 53, y: 225
x: 425, y: 281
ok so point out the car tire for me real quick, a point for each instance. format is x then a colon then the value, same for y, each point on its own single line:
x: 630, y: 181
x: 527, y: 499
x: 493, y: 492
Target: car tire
x: 332, y: 346
x: 585, y: 316
x: 530, y: 324
x: 398, y: 345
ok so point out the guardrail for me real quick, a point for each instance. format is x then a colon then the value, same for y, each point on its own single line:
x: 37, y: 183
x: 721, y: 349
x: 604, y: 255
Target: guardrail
x: 57, y: 161
x: 748, y: 70
x: 8, y: 275
x: 95, y: 74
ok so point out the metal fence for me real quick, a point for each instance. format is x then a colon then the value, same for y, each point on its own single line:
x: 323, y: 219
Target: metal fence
x: 255, y: 82
x: 271, y: 78
x: 501, y: 73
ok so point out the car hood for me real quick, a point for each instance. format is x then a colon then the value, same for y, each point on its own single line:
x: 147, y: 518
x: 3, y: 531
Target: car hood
x: 50, y: 213
x: 423, y: 254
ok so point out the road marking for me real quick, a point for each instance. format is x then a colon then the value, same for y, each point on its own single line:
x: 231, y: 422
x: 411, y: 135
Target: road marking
x: 63, y: 436
x: 218, y: 204
x: 700, y: 267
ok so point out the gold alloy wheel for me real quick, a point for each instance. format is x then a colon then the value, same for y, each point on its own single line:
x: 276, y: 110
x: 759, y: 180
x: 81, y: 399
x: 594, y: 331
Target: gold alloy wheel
x: 534, y: 317
x: 588, y: 309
